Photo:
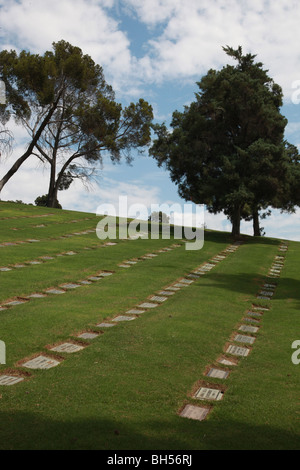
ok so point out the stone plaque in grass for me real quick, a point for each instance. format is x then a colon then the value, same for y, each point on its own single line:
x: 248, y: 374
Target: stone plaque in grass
x: 237, y: 351
x: 135, y: 311
x: 159, y: 299
x: 186, y: 281
x: 121, y: 318
x: 251, y: 320
x: 244, y: 339
x: 70, y: 286
x: 85, y: 283
x: 266, y: 293
x: 255, y: 314
x: 172, y: 288
x: 37, y: 296
x: 105, y: 325
x: 226, y: 362
x: 165, y: 292
x: 124, y: 266
x: 248, y: 329
x: 41, y: 362
x: 5, y: 269
x: 218, y: 373
x: 13, y: 303
x: 205, y: 393
x: 10, y: 380
x: 194, y: 412
x: 88, y: 335
x: 67, y: 348
x: 55, y: 291
x: 105, y: 274
x: 179, y: 284
x: 95, y: 278
x: 147, y: 305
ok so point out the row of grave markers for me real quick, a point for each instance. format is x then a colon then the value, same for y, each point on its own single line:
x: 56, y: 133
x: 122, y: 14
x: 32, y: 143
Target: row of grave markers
x: 42, y: 361
x: 63, y: 288
x: 34, y: 240
x: 43, y: 259
x: 212, y: 392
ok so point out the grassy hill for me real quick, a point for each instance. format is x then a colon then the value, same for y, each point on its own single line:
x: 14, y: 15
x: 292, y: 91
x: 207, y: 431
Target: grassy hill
x: 126, y: 387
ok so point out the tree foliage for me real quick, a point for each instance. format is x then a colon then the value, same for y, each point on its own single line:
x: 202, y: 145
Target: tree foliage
x: 227, y: 149
x: 70, y: 113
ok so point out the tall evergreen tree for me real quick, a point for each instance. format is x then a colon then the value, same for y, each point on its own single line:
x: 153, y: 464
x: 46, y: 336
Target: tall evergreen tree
x: 226, y: 149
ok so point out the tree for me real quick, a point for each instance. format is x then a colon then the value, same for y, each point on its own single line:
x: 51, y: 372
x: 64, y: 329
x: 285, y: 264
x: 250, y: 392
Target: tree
x: 80, y: 121
x: 28, y: 81
x: 159, y: 217
x: 226, y: 149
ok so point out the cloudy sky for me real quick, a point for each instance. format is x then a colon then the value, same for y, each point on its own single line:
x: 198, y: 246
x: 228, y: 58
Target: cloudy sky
x: 157, y: 50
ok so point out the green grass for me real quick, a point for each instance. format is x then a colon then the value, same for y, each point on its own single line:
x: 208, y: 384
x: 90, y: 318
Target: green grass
x: 124, y: 390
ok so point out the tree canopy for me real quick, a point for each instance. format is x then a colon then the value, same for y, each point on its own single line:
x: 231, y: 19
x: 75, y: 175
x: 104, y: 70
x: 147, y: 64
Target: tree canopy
x: 226, y: 149
x: 70, y: 113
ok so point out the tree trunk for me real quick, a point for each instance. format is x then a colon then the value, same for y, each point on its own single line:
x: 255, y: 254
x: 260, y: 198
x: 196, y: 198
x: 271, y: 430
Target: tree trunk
x: 256, y: 227
x: 31, y: 146
x: 236, y: 221
x: 51, y: 199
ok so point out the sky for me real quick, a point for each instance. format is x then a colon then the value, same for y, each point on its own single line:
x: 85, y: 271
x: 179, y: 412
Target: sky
x: 156, y: 50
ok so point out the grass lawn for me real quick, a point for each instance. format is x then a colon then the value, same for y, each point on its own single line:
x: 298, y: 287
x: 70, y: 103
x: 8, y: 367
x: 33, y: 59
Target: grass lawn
x: 125, y: 389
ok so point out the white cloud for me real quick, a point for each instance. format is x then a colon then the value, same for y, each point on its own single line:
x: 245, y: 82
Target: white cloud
x: 195, y: 32
x: 189, y: 42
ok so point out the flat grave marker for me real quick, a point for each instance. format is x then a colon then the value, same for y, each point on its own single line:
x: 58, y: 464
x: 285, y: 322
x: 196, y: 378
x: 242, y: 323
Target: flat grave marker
x: 226, y: 362
x: 121, y: 318
x: 55, y: 291
x: 13, y: 303
x: 237, y: 351
x: 135, y: 311
x: 88, y: 335
x: 105, y: 325
x: 205, y: 393
x: 217, y: 373
x: 37, y: 296
x: 41, y: 362
x: 147, y: 305
x: 159, y: 299
x: 165, y: 292
x: 67, y: 348
x: 244, y: 339
x: 194, y: 412
x: 9, y: 380
x: 69, y: 286
x: 248, y: 329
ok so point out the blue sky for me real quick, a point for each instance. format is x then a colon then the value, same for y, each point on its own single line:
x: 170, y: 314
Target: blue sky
x: 157, y: 50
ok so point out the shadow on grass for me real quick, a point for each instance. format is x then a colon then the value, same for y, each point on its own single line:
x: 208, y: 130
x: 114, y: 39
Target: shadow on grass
x: 244, y: 283
x: 29, y: 431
